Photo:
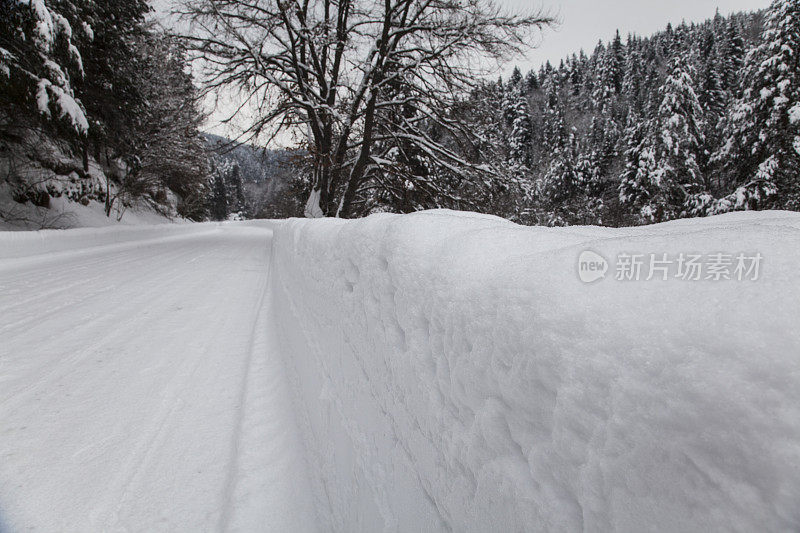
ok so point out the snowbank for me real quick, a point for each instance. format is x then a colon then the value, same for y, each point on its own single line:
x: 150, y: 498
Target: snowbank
x: 453, y: 372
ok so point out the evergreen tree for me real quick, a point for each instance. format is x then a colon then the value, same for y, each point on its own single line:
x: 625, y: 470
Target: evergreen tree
x: 576, y: 75
x: 110, y: 91
x: 554, y: 124
x: 571, y: 189
x: 616, y: 62
x: 632, y: 80
x: 531, y: 83
x: 236, y: 200
x: 40, y: 66
x: 219, y: 197
x: 761, y: 147
x: 518, y: 120
x: 662, y: 168
x: 639, y: 187
x: 710, y: 76
x: 682, y: 124
x: 734, y: 54
x: 516, y: 78
x: 559, y: 187
x: 603, y: 89
x: 591, y: 207
x: 167, y: 139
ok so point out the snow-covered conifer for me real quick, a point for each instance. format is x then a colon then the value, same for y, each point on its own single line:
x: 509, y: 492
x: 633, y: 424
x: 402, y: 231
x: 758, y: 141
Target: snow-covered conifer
x: 681, y: 125
x: 760, y: 150
x: 40, y: 64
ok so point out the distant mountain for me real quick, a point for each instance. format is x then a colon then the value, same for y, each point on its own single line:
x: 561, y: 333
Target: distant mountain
x: 269, y: 176
x: 257, y: 165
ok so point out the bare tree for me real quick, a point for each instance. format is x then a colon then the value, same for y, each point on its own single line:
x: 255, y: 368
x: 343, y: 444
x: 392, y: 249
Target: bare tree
x: 354, y: 73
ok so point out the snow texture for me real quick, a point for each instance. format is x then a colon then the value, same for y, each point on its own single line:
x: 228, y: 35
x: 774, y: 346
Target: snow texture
x: 312, y: 208
x: 438, y: 371
x: 138, y: 391
x: 45, y: 30
x: 66, y: 104
x: 33, y: 243
x: 74, y: 201
x: 794, y: 114
x: 452, y: 372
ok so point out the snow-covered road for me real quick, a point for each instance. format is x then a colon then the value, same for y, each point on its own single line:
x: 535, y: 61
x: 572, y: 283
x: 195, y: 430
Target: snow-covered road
x: 438, y: 371
x: 129, y: 406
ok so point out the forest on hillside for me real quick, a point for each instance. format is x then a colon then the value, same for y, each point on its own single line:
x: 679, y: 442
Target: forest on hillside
x: 696, y: 120
x: 98, y: 103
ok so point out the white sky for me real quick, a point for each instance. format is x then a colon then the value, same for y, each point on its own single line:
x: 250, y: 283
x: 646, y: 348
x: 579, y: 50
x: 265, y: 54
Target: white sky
x: 584, y: 22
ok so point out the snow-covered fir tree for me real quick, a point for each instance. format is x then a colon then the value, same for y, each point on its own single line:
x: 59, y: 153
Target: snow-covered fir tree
x: 682, y: 139
x: 516, y: 112
x: 85, y: 82
x: 761, y: 153
x: 227, y: 199
x: 40, y: 63
x: 668, y: 170
x: 646, y: 114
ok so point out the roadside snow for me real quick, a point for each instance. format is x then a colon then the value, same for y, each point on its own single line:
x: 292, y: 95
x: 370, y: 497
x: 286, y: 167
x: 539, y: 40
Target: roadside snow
x: 453, y: 373
x: 428, y: 372
x: 64, y: 213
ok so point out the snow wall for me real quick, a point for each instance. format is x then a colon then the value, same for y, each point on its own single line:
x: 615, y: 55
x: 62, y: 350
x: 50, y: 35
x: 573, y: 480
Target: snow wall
x: 452, y: 372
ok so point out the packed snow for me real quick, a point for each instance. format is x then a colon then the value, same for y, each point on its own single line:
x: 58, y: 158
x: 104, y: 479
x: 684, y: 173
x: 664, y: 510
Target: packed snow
x: 454, y: 373
x: 136, y: 393
x: 427, y: 372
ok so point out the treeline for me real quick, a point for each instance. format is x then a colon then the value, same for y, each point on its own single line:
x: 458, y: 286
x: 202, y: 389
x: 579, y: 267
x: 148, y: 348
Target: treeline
x: 696, y: 120
x: 250, y: 182
x: 94, y: 96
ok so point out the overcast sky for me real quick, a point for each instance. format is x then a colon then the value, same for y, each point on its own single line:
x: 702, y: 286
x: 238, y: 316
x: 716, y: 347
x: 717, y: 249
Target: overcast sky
x: 584, y: 22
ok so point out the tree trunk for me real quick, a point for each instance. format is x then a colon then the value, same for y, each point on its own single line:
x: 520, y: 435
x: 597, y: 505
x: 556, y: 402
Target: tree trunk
x: 86, y: 154
x: 109, y: 202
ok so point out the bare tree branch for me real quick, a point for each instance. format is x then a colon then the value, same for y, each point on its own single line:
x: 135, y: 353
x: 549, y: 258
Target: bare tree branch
x: 360, y: 77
